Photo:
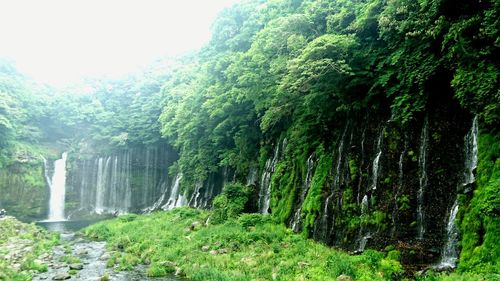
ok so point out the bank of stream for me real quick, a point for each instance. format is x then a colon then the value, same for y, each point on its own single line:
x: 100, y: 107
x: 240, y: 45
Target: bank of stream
x: 78, y: 258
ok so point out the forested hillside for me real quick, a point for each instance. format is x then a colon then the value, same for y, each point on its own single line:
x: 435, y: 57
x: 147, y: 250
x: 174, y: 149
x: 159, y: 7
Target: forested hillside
x: 362, y: 123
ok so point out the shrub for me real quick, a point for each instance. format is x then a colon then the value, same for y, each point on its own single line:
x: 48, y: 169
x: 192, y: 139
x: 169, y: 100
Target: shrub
x: 230, y: 203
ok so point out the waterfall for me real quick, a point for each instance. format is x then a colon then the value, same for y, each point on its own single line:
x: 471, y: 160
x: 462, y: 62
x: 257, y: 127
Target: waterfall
x: 376, y: 160
x: 400, y: 184
x: 297, y: 218
x: 470, y: 154
x: 363, y: 237
x: 57, y: 189
x: 100, y: 188
x: 176, y: 199
x: 423, y: 180
x: 265, y: 187
x: 108, y: 183
x: 195, y: 198
x: 336, y: 183
x: 360, y: 182
x: 449, y: 254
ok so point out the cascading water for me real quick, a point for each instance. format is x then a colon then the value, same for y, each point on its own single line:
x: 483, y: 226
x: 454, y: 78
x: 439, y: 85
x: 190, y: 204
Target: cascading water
x: 100, y: 193
x: 376, y: 161
x: 57, y: 189
x: 449, y: 253
x: 400, y: 184
x: 363, y: 237
x: 423, y: 179
x: 297, y: 218
x: 471, y: 154
x: 360, y: 182
x: 176, y: 199
x: 195, y: 198
x: 108, y: 183
x: 265, y: 186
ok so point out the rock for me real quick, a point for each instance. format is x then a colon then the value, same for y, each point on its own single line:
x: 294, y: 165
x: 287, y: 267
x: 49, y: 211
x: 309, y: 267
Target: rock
x: 195, y: 225
x: 213, y: 252
x: 205, y: 248
x: 16, y: 267
x: 76, y: 266
x: 61, y: 276
x: 81, y: 252
x: 302, y: 264
x: 178, y: 271
x: 105, y: 277
x: 104, y: 257
x: 222, y: 251
x: 169, y: 265
x: 344, y: 277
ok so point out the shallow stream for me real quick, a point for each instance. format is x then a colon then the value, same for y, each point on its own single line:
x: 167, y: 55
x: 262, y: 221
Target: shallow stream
x: 92, y: 257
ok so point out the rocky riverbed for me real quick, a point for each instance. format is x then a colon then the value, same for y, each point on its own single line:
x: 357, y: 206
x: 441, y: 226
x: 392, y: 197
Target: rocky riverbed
x: 28, y: 252
x: 80, y: 259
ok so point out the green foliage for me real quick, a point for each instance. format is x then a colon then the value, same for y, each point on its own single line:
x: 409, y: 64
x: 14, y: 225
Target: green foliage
x: 251, y: 248
x: 284, y: 184
x: 230, y: 203
x: 480, y: 224
x: 312, y: 203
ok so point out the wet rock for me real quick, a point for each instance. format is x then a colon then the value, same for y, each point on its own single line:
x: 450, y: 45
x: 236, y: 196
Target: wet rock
x: 105, y: 256
x: 61, y: 276
x: 344, y: 277
x: 76, y: 266
x: 81, y: 252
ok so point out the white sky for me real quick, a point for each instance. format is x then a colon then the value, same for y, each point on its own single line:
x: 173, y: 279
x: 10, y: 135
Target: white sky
x: 61, y: 41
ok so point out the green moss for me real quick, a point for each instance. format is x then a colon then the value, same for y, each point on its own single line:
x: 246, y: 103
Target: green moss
x: 353, y: 170
x: 480, y: 225
x: 284, y: 184
x: 403, y: 203
x: 312, y: 203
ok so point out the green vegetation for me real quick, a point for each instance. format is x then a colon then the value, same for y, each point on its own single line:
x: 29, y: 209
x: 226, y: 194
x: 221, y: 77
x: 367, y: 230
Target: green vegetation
x: 480, y: 224
x: 20, y: 245
x: 299, y: 70
x: 250, y: 247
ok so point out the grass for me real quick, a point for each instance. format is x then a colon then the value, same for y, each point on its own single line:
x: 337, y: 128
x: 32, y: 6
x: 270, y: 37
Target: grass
x: 38, y: 240
x: 251, y: 247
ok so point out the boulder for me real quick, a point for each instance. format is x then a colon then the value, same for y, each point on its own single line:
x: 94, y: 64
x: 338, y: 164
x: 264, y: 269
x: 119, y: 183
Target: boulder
x: 61, y: 276
x: 76, y: 266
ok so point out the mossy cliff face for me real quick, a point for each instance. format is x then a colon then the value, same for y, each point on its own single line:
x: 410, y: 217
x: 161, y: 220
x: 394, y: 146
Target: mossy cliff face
x: 377, y: 184
x: 23, y: 189
x: 480, y: 215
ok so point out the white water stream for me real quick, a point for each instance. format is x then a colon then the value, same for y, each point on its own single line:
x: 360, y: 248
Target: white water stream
x: 57, y: 186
